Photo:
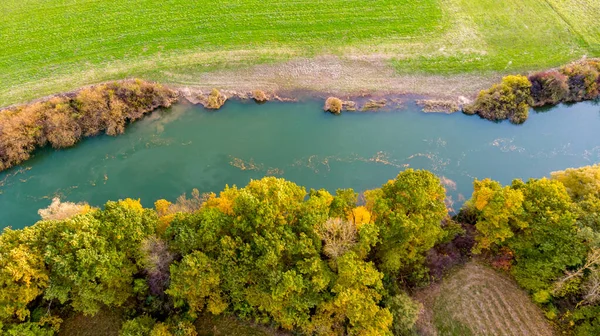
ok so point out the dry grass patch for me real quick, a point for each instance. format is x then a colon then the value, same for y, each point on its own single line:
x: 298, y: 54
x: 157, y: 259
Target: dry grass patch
x: 476, y: 300
x: 443, y: 106
x: 372, y: 104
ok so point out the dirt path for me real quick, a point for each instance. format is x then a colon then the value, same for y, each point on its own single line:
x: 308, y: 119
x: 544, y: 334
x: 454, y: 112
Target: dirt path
x: 348, y: 76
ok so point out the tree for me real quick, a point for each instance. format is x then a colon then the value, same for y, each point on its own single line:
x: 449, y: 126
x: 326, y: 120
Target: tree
x: 583, y: 79
x: 549, y: 245
x: 139, y: 326
x: 343, y: 203
x: 156, y: 262
x: 338, y: 236
x: 405, y: 312
x: 23, y: 274
x: 26, y: 329
x: 357, y: 291
x: 262, y: 239
x: 196, y: 283
x: 360, y: 216
x: 333, y: 105
x: 408, y: 212
x: 94, y: 257
x: 498, y: 211
x: 580, y: 182
x: 62, y: 210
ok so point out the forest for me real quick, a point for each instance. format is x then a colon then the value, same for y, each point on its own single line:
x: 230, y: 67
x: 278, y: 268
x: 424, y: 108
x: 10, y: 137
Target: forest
x: 310, y: 262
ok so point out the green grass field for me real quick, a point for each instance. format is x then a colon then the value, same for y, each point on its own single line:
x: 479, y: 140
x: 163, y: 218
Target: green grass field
x: 56, y: 45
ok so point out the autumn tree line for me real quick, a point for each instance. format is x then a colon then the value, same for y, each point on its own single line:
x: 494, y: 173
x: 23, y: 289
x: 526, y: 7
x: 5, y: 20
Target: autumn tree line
x: 63, y: 120
x: 512, y: 98
x: 308, y: 262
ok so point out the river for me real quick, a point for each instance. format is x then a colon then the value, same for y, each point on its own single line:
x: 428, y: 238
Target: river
x: 172, y: 151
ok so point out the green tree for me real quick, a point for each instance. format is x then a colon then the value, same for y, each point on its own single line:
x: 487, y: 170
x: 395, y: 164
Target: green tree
x: 26, y: 329
x: 405, y: 312
x: 549, y: 245
x: 94, y: 257
x: 357, y: 291
x: 196, y: 283
x: 139, y: 326
x: 23, y: 274
x: 343, y: 202
x: 408, y: 212
x: 498, y: 212
x: 262, y: 240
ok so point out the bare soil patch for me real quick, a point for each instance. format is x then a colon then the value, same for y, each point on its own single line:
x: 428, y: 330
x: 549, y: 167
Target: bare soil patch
x: 344, y: 77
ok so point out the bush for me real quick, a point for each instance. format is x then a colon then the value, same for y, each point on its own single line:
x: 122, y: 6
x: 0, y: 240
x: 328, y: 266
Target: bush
x: 259, y: 96
x: 215, y: 100
x: 508, y: 100
x: 333, y: 105
x: 62, y: 121
x: 548, y: 87
x: 583, y: 80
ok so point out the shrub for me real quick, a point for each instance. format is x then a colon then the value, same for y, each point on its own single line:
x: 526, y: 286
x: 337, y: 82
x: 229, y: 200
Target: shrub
x: 215, y: 100
x: 61, y: 121
x: 583, y: 80
x: 548, y: 87
x: 333, y: 105
x: 508, y: 100
x: 60, y: 128
x: 259, y: 96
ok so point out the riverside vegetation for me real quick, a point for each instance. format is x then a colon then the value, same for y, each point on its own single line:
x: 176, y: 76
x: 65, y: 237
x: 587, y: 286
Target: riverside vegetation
x: 512, y: 98
x: 62, y: 121
x: 308, y: 262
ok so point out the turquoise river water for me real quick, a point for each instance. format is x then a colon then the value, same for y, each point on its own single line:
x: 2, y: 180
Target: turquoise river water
x: 170, y: 152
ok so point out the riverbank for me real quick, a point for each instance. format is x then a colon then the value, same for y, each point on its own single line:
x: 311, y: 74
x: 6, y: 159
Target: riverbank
x: 62, y: 120
x: 356, y: 78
